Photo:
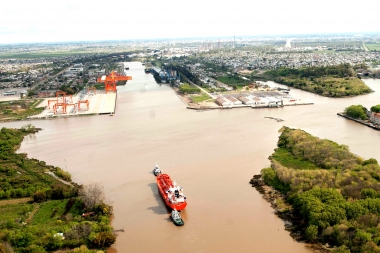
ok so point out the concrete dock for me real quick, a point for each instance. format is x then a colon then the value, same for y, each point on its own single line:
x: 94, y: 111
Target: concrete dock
x: 109, y: 104
x: 99, y: 103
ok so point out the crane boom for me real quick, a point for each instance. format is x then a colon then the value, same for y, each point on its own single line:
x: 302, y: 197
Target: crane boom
x: 111, y: 79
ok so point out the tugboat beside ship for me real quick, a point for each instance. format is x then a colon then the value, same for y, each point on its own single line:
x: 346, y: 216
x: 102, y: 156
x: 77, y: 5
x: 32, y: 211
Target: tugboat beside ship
x: 172, y: 194
x: 176, y: 218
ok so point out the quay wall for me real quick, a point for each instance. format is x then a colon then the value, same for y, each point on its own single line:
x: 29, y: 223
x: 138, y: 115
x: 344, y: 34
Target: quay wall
x: 359, y: 121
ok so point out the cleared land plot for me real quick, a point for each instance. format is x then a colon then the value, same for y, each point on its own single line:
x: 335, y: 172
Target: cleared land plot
x: 49, y: 212
x: 19, y: 109
x: 12, y: 212
x: 287, y: 159
x: 199, y: 98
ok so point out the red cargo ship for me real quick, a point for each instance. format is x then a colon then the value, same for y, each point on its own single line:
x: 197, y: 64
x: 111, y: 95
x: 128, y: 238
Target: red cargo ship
x: 171, y: 192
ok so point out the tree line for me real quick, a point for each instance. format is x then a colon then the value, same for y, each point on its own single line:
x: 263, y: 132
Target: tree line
x: 360, y: 112
x: 329, y: 81
x: 341, y: 70
x: 185, y: 74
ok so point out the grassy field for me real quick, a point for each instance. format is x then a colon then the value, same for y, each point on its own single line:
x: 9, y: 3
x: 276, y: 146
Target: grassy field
x: 232, y: 80
x: 12, y: 212
x: 200, y: 98
x: 374, y: 46
x: 287, y: 159
x: 19, y: 109
x: 49, y: 212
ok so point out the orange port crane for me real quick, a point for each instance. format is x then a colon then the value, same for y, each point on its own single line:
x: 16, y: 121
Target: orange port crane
x: 111, y: 79
x: 86, y: 102
x: 61, y: 101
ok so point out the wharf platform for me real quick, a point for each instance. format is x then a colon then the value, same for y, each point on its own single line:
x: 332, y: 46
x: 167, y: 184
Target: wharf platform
x: 99, y: 103
x: 199, y: 107
x: 108, y: 104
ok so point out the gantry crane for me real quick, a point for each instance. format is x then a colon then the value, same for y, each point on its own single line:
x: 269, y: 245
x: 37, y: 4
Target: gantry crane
x: 110, y: 80
x: 86, y: 102
x: 61, y: 101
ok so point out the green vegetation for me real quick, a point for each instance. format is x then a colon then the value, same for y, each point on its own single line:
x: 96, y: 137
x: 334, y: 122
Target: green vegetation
x: 121, y: 83
x: 185, y: 75
x: 19, y: 109
x: 62, y: 174
x: 337, y: 194
x: 188, y: 89
x: 200, y: 98
x: 234, y: 81
x: 286, y: 158
x: 6, y: 80
x: 360, y: 112
x: 12, y: 212
x: 99, y: 86
x: 373, y: 46
x: 331, y: 81
x: 356, y: 111
x: 375, y: 108
x: 69, y: 90
x: 54, y: 221
x: 216, y: 67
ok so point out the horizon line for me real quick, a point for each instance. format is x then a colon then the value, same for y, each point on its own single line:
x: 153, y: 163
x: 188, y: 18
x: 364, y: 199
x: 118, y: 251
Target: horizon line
x: 328, y: 34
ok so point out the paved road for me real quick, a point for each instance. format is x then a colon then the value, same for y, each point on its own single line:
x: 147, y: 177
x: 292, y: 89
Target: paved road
x: 365, y: 47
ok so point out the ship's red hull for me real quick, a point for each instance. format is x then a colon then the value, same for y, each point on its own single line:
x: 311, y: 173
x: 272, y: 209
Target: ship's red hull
x: 164, y: 182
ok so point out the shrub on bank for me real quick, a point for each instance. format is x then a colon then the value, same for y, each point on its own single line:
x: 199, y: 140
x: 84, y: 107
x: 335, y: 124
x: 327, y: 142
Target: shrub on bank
x: 356, y: 111
x: 62, y: 174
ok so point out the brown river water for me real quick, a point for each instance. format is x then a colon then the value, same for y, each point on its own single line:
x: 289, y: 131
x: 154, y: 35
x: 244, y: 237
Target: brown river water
x: 211, y: 154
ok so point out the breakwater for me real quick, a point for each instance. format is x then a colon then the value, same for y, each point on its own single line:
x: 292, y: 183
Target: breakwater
x: 366, y: 123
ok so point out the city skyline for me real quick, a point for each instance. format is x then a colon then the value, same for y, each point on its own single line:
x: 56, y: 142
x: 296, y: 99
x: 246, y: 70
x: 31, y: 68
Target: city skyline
x: 24, y: 21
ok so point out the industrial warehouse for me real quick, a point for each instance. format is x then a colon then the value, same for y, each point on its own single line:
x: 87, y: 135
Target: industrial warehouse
x: 256, y: 99
x: 259, y: 99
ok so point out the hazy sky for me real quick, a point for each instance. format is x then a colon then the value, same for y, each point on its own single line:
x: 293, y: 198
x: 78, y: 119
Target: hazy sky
x: 76, y: 20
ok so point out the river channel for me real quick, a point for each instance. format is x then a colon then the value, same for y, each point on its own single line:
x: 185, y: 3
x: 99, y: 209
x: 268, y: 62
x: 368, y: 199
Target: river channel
x: 211, y: 154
